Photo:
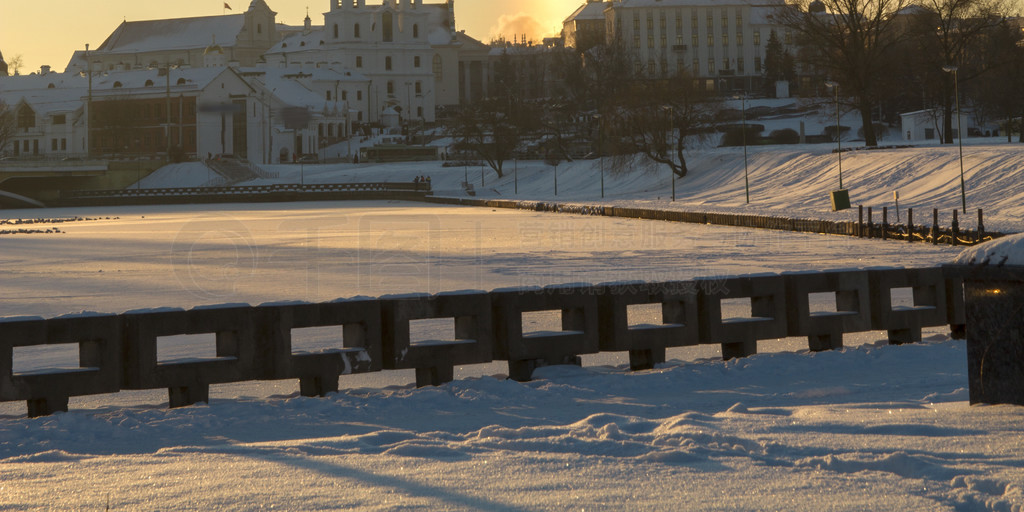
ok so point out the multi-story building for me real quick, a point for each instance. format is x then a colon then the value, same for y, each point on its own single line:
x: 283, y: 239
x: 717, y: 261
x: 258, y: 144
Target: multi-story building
x: 407, y: 49
x: 720, y: 43
x: 183, y: 41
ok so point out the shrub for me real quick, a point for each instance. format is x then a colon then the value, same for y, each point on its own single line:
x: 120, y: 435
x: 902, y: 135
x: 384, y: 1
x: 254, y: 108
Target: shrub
x: 784, y: 136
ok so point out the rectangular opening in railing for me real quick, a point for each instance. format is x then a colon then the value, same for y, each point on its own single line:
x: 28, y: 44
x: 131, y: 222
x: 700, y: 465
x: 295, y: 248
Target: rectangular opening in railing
x: 736, y: 309
x: 644, y: 315
x: 542, y: 323
x: 186, y: 348
x: 307, y: 340
x: 822, y: 302
x: 902, y: 298
x: 429, y: 330
x: 41, y: 359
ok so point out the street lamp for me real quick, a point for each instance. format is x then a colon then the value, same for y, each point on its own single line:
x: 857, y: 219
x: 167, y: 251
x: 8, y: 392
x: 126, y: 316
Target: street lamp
x: 960, y: 134
x: 839, y: 144
x: 743, y: 120
x: 600, y: 149
x: 841, y: 197
x: 671, y: 132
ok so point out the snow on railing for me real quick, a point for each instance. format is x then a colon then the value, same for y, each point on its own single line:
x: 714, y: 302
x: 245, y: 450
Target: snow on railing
x: 119, y: 351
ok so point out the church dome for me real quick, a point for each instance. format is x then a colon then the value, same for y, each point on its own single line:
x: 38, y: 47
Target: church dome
x: 816, y: 7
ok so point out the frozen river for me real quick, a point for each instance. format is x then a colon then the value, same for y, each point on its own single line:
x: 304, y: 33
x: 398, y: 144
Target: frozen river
x: 147, y: 257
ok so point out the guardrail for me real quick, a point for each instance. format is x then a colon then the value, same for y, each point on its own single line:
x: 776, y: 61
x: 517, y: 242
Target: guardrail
x: 935, y: 234
x: 257, y: 193
x: 120, y: 351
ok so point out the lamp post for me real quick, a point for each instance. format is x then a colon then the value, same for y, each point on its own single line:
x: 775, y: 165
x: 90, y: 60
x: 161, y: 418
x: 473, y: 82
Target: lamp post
x: 672, y: 175
x: 600, y: 148
x: 960, y: 134
x: 839, y: 145
x: 743, y: 120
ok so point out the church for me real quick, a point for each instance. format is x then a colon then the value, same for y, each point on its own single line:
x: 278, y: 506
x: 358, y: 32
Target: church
x: 408, y: 50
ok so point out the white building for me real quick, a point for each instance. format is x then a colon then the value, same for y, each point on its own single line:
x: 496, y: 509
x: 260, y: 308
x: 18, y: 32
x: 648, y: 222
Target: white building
x: 924, y: 125
x: 720, y: 43
x: 48, y: 112
x: 407, y: 49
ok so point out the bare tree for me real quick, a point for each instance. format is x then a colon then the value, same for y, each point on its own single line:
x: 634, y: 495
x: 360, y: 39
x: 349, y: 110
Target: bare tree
x: 14, y: 66
x: 853, y: 40
x: 485, y: 129
x: 660, y: 117
x: 948, y: 31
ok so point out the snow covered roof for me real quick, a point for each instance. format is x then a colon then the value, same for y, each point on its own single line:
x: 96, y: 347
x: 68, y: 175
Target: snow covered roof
x: 173, y: 34
x: 588, y: 11
x: 687, y: 3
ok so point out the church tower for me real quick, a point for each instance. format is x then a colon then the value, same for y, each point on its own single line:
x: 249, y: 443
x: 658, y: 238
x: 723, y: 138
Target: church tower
x: 258, y: 34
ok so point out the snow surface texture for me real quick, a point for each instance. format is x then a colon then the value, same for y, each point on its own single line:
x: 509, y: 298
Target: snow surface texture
x: 871, y: 427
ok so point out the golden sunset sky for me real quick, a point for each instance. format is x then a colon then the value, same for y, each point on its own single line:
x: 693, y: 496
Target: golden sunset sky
x: 48, y: 32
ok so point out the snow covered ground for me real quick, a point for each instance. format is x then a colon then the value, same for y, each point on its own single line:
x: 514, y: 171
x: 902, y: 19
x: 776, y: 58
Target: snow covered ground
x: 871, y: 427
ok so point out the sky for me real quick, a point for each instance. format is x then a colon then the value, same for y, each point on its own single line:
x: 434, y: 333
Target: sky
x: 72, y: 24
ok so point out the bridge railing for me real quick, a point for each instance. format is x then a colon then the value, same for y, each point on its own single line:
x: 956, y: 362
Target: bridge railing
x: 120, y: 351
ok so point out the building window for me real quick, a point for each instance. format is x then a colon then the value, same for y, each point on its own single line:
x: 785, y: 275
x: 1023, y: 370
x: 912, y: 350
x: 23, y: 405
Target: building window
x: 695, y: 39
x: 739, y: 38
x: 711, y: 67
x: 328, y: 95
x: 651, y: 70
x: 419, y: 111
x: 636, y: 22
x: 739, y: 65
x: 355, y: 31
x: 711, y: 39
x: 63, y: 144
x: 416, y: 61
x: 359, y: 61
x: 636, y: 41
x: 259, y: 28
x: 335, y: 30
x: 725, y: 63
x: 438, y: 68
x: 664, y: 41
x: 359, y: 95
x: 60, y: 119
x: 388, y: 22
x: 757, y: 64
x: 757, y: 37
x: 415, y: 31
x: 53, y: 144
x: 344, y: 95
x: 419, y: 88
x: 725, y: 39
x: 637, y: 67
x: 387, y: 63
x: 391, y: 87
x: 650, y: 40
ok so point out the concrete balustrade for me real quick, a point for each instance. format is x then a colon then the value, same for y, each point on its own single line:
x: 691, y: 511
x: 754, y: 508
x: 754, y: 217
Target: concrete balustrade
x: 525, y: 351
x: 434, y: 360
x: 738, y: 335
x: 646, y: 343
x: 368, y: 334
x: 354, y: 347
x: 904, y: 322
x: 188, y: 379
x: 824, y: 329
x: 47, y: 391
